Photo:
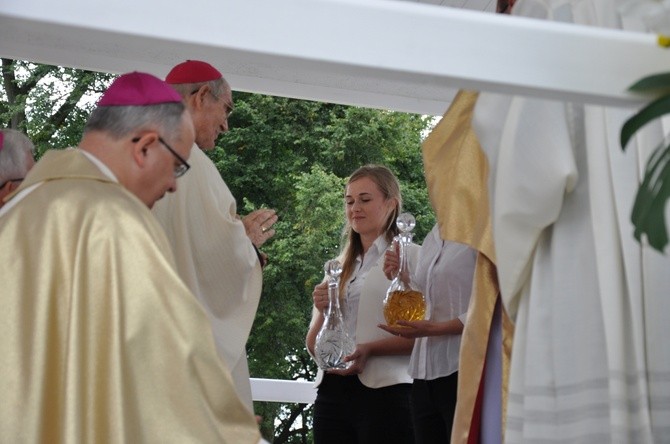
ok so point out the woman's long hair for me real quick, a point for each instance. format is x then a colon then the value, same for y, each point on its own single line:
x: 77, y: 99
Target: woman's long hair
x: 353, y: 247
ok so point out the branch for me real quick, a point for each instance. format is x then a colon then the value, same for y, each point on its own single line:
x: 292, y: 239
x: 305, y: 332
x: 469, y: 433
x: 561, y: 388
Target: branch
x: 37, y: 74
x: 9, y: 79
x: 12, y: 90
x: 82, y: 84
x: 16, y: 93
x: 286, y: 430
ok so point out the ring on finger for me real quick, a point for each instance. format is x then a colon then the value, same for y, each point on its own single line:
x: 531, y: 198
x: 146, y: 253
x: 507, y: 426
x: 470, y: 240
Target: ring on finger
x: 263, y: 229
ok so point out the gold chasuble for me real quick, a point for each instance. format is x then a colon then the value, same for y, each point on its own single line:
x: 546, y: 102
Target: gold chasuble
x: 100, y: 341
x: 456, y: 172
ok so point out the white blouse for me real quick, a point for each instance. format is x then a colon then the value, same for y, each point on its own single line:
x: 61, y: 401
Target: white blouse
x: 444, y: 274
x: 355, y: 284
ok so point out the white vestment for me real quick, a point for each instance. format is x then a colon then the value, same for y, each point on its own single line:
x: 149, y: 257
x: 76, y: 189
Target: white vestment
x: 590, y: 304
x: 216, y: 259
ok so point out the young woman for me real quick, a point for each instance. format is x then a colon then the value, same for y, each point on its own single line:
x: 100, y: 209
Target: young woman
x: 369, y: 401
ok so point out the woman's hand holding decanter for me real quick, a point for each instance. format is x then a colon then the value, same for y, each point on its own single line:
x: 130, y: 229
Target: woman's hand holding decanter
x: 320, y: 296
x: 410, y: 329
x: 418, y: 329
x: 392, y: 262
x: 358, y: 360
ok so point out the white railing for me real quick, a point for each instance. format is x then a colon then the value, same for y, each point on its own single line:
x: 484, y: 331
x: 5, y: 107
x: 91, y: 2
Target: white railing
x: 282, y: 390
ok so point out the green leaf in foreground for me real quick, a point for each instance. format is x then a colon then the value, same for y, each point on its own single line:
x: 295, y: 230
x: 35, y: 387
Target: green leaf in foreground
x: 648, y: 214
x: 650, y: 112
x: 653, y: 83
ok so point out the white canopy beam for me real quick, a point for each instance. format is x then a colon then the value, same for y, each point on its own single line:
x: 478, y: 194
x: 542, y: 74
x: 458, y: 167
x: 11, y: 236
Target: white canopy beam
x: 280, y: 390
x: 383, y: 54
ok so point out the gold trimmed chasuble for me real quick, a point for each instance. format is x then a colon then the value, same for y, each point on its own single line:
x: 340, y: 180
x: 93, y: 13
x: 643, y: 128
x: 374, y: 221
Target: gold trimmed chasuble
x: 100, y: 340
x: 457, y: 174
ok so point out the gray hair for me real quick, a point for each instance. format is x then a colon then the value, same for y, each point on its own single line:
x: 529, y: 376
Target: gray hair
x: 122, y: 121
x: 14, y: 155
x: 217, y: 87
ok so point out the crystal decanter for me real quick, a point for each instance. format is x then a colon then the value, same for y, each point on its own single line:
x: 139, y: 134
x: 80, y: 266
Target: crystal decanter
x: 333, y: 342
x: 402, y: 301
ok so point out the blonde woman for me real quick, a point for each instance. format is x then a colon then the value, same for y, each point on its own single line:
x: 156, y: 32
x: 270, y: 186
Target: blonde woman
x: 369, y: 401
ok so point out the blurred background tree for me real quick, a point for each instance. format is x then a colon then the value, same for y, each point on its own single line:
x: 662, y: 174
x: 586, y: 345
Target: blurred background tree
x: 287, y: 154
x: 49, y: 103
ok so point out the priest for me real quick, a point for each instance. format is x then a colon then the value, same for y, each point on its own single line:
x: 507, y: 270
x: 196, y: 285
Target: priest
x: 100, y: 340
x: 217, y: 252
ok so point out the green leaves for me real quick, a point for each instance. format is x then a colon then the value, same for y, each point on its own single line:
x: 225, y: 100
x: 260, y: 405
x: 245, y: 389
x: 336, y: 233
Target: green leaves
x: 655, y: 83
x: 650, y: 112
x: 50, y: 103
x: 648, y: 215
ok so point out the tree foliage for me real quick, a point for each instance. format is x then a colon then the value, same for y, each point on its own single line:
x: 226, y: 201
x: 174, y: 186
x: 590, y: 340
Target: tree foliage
x: 295, y: 156
x: 49, y: 103
x: 287, y: 154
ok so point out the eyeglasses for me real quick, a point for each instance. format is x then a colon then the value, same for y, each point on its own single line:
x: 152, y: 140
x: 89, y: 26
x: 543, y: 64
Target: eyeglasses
x: 10, y: 180
x: 229, y: 109
x: 183, y: 166
x: 229, y: 106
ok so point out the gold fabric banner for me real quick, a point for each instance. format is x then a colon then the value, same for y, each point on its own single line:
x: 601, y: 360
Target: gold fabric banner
x: 457, y: 172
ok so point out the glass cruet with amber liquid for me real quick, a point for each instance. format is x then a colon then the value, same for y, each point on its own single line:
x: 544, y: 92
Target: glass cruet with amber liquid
x: 402, y: 301
x: 333, y: 342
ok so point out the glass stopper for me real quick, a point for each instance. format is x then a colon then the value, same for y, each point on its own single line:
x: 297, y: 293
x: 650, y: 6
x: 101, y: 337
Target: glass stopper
x: 406, y: 222
x: 333, y: 268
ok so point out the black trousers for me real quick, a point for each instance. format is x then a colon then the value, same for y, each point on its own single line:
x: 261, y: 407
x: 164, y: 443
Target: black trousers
x: 433, y: 407
x: 347, y: 412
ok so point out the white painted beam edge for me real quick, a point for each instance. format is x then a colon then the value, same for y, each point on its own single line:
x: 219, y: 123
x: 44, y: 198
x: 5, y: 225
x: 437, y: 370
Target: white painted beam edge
x: 394, y: 55
x: 278, y: 390
x: 98, y: 51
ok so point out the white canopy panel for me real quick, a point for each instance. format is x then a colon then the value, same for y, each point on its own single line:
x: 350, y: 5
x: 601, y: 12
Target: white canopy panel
x: 403, y: 56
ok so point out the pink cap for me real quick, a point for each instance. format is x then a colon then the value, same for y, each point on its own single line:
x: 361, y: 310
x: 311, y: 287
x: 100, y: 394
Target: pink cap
x: 192, y: 71
x: 138, y: 89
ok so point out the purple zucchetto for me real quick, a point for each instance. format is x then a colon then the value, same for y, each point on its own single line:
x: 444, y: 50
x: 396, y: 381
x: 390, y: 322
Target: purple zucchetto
x: 138, y: 89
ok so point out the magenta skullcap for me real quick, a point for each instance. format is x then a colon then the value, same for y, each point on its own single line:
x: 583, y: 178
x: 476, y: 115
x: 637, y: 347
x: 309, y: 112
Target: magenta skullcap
x: 192, y: 71
x: 138, y: 89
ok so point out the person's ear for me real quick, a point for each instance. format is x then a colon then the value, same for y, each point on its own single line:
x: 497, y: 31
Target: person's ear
x: 11, y: 186
x: 199, y: 96
x: 7, y: 189
x: 140, y: 147
x: 393, y: 205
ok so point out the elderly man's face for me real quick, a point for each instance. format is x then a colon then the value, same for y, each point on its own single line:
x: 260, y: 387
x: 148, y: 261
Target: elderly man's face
x: 211, y: 118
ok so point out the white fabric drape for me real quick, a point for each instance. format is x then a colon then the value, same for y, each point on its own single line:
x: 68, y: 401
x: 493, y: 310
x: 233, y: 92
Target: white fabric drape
x: 588, y: 362
x: 216, y: 259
